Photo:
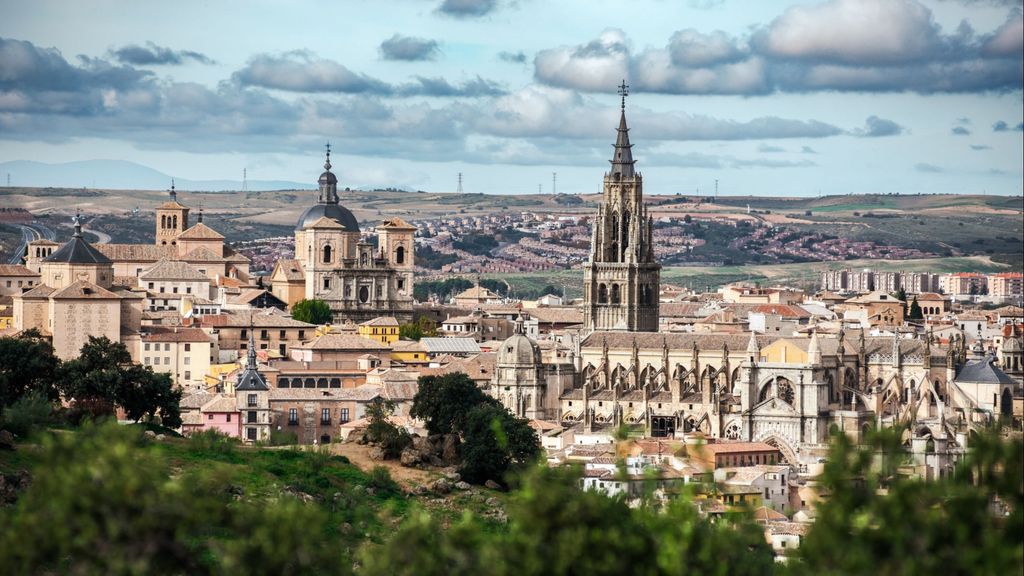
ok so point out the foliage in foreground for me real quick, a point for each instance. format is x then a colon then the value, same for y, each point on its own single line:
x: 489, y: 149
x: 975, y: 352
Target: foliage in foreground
x: 556, y: 529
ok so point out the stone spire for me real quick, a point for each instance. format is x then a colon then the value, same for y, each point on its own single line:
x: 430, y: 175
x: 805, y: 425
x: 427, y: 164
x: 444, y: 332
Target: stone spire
x: 251, y: 357
x: 813, y: 350
x: 622, y: 160
x: 78, y: 224
x: 753, y: 349
x: 328, y: 181
x: 520, y: 327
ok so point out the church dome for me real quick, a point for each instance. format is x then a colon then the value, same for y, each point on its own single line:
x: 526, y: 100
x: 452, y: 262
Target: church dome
x: 327, y: 177
x: 518, y: 350
x: 335, y: 212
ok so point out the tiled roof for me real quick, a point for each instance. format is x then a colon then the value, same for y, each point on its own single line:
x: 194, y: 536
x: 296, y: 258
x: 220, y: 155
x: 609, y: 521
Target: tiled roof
x: 16, y: 270
x: 77, y: 251
x: 982, y: 371
x: 343, y: 342
x: 738, y: 447
x: 784, y: 310
x: 203, y: 254
x: 172, y: 270
x: 200, y: 232
x: 325, y: 223
x: 556, y: 315
x: 40, y: 291
x: 247, y: 295
x: 195, y: 401
x: 478, y: 292
x: 84, y: 290
x: 136, y: 252
x: 221, y: 403
x: 479, y: 367
x: 167, y: 334
x: 381, y: 321
x: 397, y: 223
x: 291, y: 269
x: 260, y: 319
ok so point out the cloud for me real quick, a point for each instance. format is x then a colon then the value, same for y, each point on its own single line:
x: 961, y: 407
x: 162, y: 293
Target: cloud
x: 440, y: 87
x: 513, y: 57
x: 875, y: 127
x: 841, y: 45
x: 301, y: 71
x: 764, y: 148
x: 151, y: 54
x: 960, y: 131
x: 704, y: 4
x: 409, y: 48
x: 980, y: 147
x: 1002, y: 126
x: 927, y: 168
x: 467, y: 8
x: 807, y: 150
x: 711, y: 161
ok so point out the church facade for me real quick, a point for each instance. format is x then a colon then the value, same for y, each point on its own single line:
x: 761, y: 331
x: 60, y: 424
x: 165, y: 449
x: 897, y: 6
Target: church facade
x: 334, y: 263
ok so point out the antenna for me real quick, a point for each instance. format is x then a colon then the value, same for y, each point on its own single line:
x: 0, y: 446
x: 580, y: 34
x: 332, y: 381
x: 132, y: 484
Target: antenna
x: 459, y: 189
x: 554, y: 182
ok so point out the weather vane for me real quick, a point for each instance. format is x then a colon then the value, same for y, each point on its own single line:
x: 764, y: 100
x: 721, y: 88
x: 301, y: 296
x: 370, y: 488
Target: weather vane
x: 623, y: 91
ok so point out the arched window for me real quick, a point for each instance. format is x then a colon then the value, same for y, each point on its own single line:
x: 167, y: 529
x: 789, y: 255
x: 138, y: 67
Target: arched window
x: 602, y: 294
x: 625, y: 232
x: 400, y: 255
x: 786, y: 390
x: 163, y: 221
x: 615, y: 293
x: 327, y: 254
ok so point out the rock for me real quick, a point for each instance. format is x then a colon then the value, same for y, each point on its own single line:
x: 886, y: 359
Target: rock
x: 6, y: 440
x: 346, y: 528
x: 462, y: 485
x: 441, y: 486
x: 236, y: 490
x: 493, y: 485
x: 493, y: 502
x: 418, y: 490
x: 160, y: 437
x: 410, y: 457
x: 376, y: 453
x: 450, y: 449
x: 453, y: 476
x: 150, y: 434
x: 435, y: 461
x: 422, y: 445
x: 370, y: 490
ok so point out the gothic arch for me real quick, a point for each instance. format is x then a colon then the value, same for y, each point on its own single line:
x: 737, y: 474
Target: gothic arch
x: 616, y: 296
x: 732, y: 431
x: 602, y: 293
x: 788, y: 453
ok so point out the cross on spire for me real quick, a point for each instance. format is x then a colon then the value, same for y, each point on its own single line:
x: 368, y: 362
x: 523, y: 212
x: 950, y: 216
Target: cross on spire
x: 174, y: 194
x: 327, y: 164
x: 623, y: 91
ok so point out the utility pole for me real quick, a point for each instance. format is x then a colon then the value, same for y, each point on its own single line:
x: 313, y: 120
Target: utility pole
x: 459, y: 189
x: 716, y: 188
x: 554, y: 180
x: 245, y: 180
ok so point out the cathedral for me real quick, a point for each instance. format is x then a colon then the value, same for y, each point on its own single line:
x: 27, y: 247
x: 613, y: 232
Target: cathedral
x: 787, y: 391
x: 334, y: 263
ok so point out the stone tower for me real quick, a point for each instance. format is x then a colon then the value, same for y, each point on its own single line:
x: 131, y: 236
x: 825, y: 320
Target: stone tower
x: 171, y: 220
x: 621, y: 281
x: 519, y: 381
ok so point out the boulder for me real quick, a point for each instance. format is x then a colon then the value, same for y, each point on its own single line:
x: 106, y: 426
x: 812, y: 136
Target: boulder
x: 418, y: 490
x: 462, y: 485
x: 422, y: 445
x: 160, y: 437
x: 493, y: 485
x: 435, y: 460
x: 150, y: 434
x: 376, y: 453
x: 441, y: 486
x: 410, y: 457
x: 453, y: 476
x: 450, y: 449
x: 493, y: 502
x: 6, y: 440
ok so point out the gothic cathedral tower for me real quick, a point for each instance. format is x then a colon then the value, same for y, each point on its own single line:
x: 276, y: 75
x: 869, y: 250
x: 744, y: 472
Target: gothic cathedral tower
x: 621, y: 281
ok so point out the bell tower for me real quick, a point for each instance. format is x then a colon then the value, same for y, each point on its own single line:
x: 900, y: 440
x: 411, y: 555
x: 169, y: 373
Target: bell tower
x: 171, y: 220
x: 621, y: 280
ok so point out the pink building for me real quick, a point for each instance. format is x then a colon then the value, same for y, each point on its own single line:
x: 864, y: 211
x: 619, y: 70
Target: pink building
x: 220, y: 414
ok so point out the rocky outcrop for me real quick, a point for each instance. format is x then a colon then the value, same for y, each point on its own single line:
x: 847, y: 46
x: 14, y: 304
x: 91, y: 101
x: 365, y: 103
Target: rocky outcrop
x: 439, y: 450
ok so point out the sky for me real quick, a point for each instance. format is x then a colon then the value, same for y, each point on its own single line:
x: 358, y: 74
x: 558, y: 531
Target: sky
x: 765, y: 97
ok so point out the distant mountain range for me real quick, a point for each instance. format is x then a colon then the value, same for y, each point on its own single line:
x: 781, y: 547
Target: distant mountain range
x: 121, y: 175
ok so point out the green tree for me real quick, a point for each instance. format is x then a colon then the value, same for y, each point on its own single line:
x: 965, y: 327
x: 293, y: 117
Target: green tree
x: 915, y: 310
x: 423, y: 326
x: 444, y: 402
x: 312, y: 311
x: 27, y: 364
x: 494, y: 442
x: 104, y: 375
x: 103, y: 501
x: 392, y: 439
x: 881, y: 522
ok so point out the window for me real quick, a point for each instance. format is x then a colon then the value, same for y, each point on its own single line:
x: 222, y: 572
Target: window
x: 282, y: 335
x: 209, y: 416
x: 245, y: 334
x: 150, y: 285
x: 146, y: 346
x: 145, y: 360
x: 174, y: 290
x: 327, y: 254
x: 188, y: 290
x: 250, y: 417
x: 229, y: 417
x: 187, y: 360
x: 401, y: 284
x: 302, y: 334
x: 344, y: 415
x: 327, y: 283
x: 252, y: 400
x: 188, y: 374
x: 400, y: 256
x: 264, y: 334
x: 167, y: 346
x: 250, y: 433
x: 325, y: 416
x: 293, y: 416
x: 188, y: 348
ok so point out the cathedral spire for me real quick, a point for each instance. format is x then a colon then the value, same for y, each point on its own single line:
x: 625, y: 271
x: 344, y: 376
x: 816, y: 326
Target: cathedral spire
x: 251, y: 364
x: 328, y: 181
x: 78, y: 224
x: 622, y: 161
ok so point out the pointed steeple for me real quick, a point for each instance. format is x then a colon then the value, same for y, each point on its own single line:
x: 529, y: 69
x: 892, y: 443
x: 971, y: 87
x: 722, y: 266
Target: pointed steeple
x: 814, y: 350
x: 250, y: 378
x: 328, y: 181
x: 174, y: 193
x: 78, y: 224
x: 251, y: 357
x: 622, y: 160
x: 753, y: 348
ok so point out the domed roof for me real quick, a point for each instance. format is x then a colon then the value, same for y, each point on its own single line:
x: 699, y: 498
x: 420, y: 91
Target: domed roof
x: 335, y: 212
x: 1011, y: 344
x: 327, y: 177
x: 518, y: 350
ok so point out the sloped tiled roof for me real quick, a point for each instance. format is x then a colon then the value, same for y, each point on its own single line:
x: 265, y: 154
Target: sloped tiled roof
x: 40, y: 291
x: 343, y: 342
x: 291, y: 269
x: 381, y: 321
x: 200, y: 232
x: 16, y: 270
x: 983, y: 371
x: 396, y: 223
x: 172, y: 270
x: 167, y: 334
x: 136, y: 252
x: 77, y: 251
x: 451, y: 345
x: 84, y: 290
x: 221, y: 403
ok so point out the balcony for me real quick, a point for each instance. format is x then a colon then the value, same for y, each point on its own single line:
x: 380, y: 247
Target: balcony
x: 293, y: 422
x: 325, y: 422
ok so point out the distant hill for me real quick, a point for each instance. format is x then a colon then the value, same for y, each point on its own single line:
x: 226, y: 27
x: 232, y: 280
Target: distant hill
x: 122, y: 175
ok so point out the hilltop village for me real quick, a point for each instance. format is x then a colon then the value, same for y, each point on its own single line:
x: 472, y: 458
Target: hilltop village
x: 743, y: 385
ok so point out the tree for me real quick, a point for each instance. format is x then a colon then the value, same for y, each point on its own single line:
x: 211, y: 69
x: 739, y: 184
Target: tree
x: 312, y: 311
x: 444, y: 402
x: 881, y: 522
x: 380, y: 429
x: 104, y: 501
x: 495, y: 441
x: 104, y: 375
x: 901, y: 295
x: 27, y: 364
x: 915, y: 310
x: 423, y: 326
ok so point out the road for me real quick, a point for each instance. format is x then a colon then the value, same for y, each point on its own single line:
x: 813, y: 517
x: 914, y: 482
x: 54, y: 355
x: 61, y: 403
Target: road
x: 30, y: 232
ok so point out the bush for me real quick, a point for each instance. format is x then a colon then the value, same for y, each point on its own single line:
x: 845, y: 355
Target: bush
x: 27, y: 414
x: 283, y: 438
x: 212, y: 442
x: 381, y: 481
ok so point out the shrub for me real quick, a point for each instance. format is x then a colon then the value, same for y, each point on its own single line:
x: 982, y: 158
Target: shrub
x: 27, y: 414
x: 381, y: 481
x: 283, y: 438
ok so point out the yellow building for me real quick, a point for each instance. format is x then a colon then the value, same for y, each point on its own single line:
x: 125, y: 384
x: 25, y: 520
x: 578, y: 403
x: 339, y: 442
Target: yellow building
x: 383, y: 329
x: 409, y: 352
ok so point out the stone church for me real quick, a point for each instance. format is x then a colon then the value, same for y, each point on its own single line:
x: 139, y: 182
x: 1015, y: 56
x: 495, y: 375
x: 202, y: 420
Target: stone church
x: 334, y: 263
